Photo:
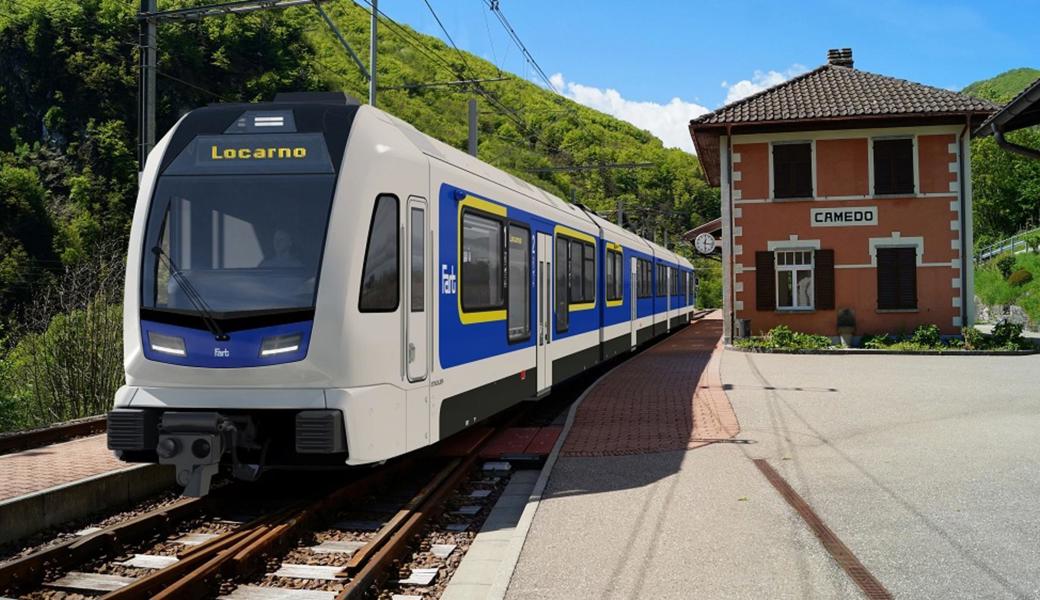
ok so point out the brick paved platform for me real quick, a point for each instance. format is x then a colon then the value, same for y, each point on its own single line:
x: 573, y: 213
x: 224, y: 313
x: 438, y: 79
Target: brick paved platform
x: 58, y: 464
x: 669, y: 397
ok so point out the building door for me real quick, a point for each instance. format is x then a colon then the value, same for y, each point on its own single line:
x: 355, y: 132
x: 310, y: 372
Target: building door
x: 544, y: 309
x: 633, y: 298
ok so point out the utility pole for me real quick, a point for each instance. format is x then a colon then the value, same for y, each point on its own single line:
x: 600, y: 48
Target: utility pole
x: 146, y: 84
x: 373, y: 50
x: 473, y: 126
x: 620, y: 213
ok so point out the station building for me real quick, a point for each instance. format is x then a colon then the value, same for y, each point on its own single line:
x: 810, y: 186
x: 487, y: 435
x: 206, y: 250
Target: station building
x: 844, y: 189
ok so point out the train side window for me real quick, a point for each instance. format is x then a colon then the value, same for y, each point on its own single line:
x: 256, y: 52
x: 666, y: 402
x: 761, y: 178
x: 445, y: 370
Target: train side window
x: 576, y: 259
x: 615, y: 275
x: 481, y: 283
x: 562, y: 285
x: 519, y: 283
x: 589, y: 272
x: 380, y: 288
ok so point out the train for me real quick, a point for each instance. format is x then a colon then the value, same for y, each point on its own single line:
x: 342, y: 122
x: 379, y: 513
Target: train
x: 315, y: 283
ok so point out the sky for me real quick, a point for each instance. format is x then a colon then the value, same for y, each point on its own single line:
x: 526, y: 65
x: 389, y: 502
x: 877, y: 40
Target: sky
x: 659, y: 63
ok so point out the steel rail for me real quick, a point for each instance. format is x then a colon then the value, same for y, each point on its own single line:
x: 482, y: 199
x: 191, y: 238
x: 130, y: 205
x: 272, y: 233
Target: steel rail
x: 25, y: 440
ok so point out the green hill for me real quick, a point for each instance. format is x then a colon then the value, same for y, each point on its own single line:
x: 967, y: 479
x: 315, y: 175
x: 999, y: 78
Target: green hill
x: 1005, y: 86
x: 68, y: 88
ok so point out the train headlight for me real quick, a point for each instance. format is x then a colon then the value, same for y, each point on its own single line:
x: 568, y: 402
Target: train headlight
x: 167, y: 344
x: 280, y: 344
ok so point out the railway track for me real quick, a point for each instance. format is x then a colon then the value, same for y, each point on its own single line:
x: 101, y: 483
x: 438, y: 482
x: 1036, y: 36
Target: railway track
x: 340, y: 542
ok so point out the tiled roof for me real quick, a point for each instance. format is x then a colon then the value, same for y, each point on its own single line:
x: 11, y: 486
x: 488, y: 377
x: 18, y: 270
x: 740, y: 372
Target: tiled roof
x: 837, y: 92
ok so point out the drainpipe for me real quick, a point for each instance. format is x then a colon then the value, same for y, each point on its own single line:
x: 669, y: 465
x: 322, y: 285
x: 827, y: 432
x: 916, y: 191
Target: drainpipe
x: 1013, y: 147
x: 962, y: 192
x: 730, y: 271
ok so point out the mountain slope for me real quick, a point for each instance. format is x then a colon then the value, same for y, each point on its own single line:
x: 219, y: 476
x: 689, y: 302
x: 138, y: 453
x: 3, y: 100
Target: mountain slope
x: 522, y: 126
x: 1005, y: 86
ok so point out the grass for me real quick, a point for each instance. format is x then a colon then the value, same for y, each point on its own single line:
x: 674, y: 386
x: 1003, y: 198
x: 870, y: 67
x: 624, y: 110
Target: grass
x: 994, y: 288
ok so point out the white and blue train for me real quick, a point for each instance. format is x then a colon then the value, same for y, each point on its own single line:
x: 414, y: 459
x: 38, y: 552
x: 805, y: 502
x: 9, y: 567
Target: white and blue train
x: 312, y: 282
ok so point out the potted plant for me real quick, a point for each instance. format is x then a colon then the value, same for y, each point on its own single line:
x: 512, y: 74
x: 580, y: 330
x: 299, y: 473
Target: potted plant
x: 846, y: 326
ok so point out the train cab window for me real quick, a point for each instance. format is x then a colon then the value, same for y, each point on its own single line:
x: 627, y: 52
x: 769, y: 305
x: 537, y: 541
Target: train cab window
x: 519, y: 283
x: 562, y: 285
x: 380, y: 289
x: 481, y: 281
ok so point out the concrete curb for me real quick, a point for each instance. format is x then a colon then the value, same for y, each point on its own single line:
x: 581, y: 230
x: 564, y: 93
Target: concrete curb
x: 25, y: 515
x: 516, y: 543
x: 866, y: 351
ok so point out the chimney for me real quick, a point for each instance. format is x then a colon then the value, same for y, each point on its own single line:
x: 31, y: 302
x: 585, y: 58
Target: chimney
x: 841, y: 57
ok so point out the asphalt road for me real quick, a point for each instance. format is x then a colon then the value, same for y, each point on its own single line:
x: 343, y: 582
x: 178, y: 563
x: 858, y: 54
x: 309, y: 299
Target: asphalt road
x: 928, y: 468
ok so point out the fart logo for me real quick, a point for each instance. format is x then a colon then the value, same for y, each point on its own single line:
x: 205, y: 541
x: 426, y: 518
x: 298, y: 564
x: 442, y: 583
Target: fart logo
x: 221, y: 353
x: 449, y: 282
x: 268, y: 153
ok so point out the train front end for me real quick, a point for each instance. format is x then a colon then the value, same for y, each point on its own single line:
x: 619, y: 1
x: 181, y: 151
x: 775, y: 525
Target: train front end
x: 221, y: 302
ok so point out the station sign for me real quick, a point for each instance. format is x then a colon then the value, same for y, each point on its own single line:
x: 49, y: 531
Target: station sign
x: 843, y: 217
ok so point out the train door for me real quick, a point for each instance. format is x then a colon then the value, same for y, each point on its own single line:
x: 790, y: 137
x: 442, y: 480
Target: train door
x: 668, y: 300
x: 544, y: 309
x: 418, y: 310
x: 633, y: 298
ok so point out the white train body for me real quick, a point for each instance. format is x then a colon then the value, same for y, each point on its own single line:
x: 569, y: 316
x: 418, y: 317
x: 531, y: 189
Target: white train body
x: 298, y: 293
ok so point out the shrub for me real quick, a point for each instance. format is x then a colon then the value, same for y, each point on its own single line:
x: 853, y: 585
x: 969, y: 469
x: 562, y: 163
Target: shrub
x: 1008, y: 336
x: 782, y: 337
x: 927, y: 336
x: 877, y: 341
x: 1006, y: 264
x: 974, y: 339
x: 1020, y: 278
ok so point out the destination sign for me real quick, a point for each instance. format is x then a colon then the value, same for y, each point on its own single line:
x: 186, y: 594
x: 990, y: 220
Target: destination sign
x: 843, y: 217
x: 259, y: 153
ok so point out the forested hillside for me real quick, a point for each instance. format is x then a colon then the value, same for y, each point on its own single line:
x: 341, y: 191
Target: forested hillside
x: 1006, y: 186
x: 68, y: 168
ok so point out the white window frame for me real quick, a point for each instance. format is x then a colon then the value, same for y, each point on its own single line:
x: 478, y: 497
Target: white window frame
x: 794, y: 270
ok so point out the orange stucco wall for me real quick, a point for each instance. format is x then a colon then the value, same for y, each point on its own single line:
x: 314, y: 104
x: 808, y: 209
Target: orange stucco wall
x: 842, y: 170
x: 841, y: 167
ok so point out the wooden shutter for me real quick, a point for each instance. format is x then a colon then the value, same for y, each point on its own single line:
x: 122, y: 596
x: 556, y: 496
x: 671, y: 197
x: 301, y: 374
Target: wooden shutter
x: 765, y: 281
x: 823, y: 278
x: 792, y: 170
x: 897, y: 278
x: 894, y: 166
x: 907, y: 258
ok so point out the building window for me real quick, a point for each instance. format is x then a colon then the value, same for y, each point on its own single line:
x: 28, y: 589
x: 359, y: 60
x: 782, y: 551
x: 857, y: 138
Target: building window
x: 562, y: 285
x: 894, y: 166
x: 792, y: 170
x: 614, y: 275
x: 481, y: 281
x: 794, y: 279
x: 519, y: 283
x: 897, y: 278
x: 379, y: 284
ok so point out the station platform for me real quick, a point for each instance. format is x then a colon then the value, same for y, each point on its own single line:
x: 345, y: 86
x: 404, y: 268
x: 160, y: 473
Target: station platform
x: 51, y: 485
x: 652, y: 496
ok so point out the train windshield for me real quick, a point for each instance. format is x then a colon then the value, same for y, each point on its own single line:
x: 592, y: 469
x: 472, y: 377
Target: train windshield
x: 247, y: 244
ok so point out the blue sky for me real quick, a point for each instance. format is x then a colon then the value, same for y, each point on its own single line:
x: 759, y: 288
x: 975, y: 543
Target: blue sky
x: 658, y: 63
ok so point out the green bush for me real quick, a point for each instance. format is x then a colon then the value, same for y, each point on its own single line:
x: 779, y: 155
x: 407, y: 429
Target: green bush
x: 927, y: 336
x: 974, y: 339
x: 1008, y: 336
x: 1020, y: 278
x: 782, y: 337
x: 1006, y: 264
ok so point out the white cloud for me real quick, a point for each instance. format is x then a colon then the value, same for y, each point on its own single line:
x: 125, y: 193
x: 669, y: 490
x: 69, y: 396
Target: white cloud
x: 669, y: 122
x: 759, y: 81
